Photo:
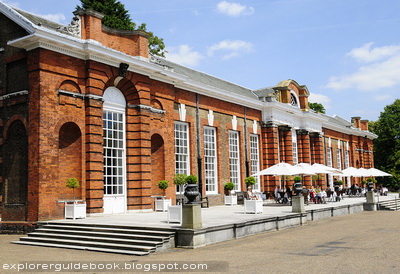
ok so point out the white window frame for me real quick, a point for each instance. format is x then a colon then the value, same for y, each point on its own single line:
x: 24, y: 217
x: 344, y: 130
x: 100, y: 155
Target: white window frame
x: 294, y: 99
x: 210, y: 160
x: 114, y: 144
x: 294, y: 148
x: 329, y: 163
x: 182, y: 150
x: 339, y: 158
x: 346, y: 159
x: 255, y: 159
x: 234, y: 159
x: 329, y: 157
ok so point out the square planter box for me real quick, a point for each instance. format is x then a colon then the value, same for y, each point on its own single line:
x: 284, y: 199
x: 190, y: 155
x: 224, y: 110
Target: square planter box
x: 75, y: 210
x: 175, y: 214
x: 253, y: 206
x: 162, y: 204
x: 231, y: 200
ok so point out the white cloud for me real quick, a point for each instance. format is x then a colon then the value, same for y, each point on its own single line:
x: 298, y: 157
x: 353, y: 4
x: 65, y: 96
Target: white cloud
x: 232, y: 48
x: 383, y: 97
x: 234, y: 9
x: 320, y: 98
x: 366, y: 54
x: 57, y: 17
x: 184, y: 55
x: 373, y: 76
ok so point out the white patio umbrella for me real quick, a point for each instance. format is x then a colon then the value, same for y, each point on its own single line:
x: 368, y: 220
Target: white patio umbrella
x: 365, y: 172
x: 323, y: 169
x: 378, y: 173
x: 306, y: 169
x: 353, y: 172
x: 280, y: 169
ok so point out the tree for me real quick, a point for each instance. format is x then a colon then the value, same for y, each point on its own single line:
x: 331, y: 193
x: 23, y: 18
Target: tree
x: 317, y: 107
x: 117, y: 17
x: 387, y: 145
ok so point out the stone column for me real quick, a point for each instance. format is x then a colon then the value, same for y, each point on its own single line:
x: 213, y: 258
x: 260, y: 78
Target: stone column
x: 304, y: 152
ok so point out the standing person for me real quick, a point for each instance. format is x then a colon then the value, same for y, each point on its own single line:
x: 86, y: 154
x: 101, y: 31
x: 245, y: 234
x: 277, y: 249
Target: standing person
x: 336, y: 185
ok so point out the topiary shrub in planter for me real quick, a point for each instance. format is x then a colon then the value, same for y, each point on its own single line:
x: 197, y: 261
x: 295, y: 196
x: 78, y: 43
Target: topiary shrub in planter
x: 250, y: 181
x: 162, y: 203
x: 74, y: 210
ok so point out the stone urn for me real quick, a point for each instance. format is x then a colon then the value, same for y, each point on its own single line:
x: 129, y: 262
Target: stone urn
x: 191, y: 192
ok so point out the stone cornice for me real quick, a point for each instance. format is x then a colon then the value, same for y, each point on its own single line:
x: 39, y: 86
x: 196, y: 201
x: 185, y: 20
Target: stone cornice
x: 14, y: 94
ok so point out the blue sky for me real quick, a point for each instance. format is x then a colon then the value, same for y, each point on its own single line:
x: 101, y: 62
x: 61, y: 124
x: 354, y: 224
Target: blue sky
x: 347, y: 52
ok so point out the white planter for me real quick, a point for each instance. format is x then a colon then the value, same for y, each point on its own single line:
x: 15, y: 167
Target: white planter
x: 75, y: 210
x: 175, y: 214
x: 231, y: 200
x: 253, y: 206
x: 163, y: 204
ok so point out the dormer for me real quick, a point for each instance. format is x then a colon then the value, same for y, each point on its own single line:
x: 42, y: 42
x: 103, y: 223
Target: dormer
x: 290, y: 92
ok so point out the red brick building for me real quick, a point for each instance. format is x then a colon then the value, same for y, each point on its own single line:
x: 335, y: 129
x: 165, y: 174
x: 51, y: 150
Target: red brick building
x: 87, y: 101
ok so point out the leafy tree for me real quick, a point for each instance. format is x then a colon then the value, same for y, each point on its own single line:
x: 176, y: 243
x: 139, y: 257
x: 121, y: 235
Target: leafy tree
x: 387, y: 145
x: 117, y: 17
x: 317, y: 107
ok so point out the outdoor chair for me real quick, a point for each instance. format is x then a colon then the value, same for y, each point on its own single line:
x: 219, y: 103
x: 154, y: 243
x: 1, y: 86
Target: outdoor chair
x: 240, y: 197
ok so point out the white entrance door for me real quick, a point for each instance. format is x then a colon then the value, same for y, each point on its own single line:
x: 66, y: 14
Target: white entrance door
x: 114, y: 152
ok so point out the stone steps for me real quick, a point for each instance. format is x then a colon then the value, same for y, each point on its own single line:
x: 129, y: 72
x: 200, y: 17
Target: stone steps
x: 392, y: 205
x: 128, y: 240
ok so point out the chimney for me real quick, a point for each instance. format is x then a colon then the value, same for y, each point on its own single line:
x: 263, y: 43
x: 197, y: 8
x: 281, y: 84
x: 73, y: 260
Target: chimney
x: 364, y: 125
x: 355, y: 121
x: 131, y: 42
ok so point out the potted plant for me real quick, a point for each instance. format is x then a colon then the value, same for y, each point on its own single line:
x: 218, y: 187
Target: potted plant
x: 191, y: 189
x: 162, y: 203
x: 229, y: 186
x: 230, y: 199
x: 73, y: 209
x: 297, y: 186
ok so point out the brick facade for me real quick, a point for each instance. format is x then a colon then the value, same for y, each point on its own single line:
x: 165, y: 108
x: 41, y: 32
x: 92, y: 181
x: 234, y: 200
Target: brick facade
x: 53, y: 100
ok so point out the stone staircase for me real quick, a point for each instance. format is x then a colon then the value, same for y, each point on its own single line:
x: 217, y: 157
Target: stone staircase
x: 392, y: 205
x: 129, y: 240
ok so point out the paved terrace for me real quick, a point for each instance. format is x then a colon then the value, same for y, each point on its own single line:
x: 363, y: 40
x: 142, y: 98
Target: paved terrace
x: 216, y: 215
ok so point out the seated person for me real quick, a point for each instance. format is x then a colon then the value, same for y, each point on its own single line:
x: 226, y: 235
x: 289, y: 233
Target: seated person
x: 250, y: 195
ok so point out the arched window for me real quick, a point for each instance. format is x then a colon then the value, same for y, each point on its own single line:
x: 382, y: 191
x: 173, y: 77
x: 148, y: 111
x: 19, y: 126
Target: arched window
x: 114, y: 151
x: 294, y: 101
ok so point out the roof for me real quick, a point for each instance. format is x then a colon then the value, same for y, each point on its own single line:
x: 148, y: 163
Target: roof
x: 206, y: 79
x: 40, y: 21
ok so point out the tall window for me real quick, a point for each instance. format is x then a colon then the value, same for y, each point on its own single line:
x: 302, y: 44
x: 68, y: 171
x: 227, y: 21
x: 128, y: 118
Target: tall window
x: 294, y: 147
x: 255, y: 159
x: 234, y: 160
x: 114, y: 152
x: 210, y: 160
x: 329, y: 156
x: 181, y: 150
x: 346, y: 159
x: 339, y: 158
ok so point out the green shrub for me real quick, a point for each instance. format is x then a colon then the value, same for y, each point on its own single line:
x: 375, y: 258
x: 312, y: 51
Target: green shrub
x: 229, y: 186
x: 191, y: 179
x: 250, y: 181
x: 163, y: 184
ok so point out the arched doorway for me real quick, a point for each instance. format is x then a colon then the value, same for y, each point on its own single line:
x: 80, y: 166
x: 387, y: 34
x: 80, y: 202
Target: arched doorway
x: 114, y: 151
x: 70, y: 158
x: 15, y: 173
x: 157, y: 163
